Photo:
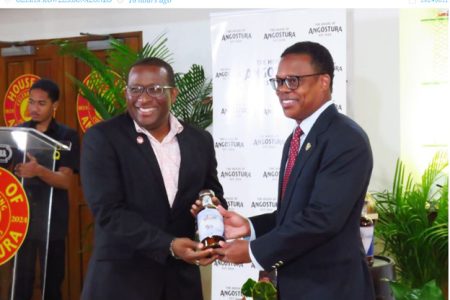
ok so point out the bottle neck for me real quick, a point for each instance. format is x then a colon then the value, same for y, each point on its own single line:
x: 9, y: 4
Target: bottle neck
x: 210, y: 205
x: 207, y: 201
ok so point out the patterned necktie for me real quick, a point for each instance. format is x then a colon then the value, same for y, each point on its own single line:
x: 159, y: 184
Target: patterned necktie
x: 293, y: 153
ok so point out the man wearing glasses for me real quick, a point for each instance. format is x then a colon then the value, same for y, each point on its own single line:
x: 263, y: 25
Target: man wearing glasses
x: 313, y: 239
x: 141, y: 172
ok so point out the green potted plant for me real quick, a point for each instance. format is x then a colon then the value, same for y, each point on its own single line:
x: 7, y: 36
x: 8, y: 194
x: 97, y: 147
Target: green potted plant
x: 194, y: 102
x: 413, y: 227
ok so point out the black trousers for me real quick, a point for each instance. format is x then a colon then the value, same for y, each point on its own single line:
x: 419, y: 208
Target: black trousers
x: 25, y: 272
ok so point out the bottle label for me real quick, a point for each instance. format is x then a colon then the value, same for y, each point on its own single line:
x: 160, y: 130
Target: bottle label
x: 367, y: 238
x: 210, y: 223
x: 207, y: 200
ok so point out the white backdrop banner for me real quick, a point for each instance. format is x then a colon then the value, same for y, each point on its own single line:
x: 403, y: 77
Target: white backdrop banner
x: 249, y: 125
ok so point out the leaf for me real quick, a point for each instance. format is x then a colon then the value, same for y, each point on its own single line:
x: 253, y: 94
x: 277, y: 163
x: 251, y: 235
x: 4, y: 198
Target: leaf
x: 121, y: 57
x: 93, y: 98
x: 264, y: 291
x: 157, y: 48
x: 194, y: 103
x: 247, y: 288
x: 107, y: 100
x: 429, y: 291
x: 400, y: 291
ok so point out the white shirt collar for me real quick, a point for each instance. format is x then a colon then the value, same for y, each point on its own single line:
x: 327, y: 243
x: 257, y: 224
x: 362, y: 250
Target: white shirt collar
x: 175, y: 128
x: 308, y: 123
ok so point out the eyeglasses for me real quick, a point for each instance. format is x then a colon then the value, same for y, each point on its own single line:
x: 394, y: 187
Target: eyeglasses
x: 156, y: 91
x: 292, y: 82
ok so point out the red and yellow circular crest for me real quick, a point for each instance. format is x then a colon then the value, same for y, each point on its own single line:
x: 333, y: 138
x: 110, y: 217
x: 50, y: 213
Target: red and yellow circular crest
x: 15, y: 105
x: 14, y: 215
x: 87, y: 115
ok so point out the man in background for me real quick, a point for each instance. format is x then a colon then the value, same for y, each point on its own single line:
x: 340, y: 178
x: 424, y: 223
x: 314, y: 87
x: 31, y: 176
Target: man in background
x: 313, y: 238
x: 141, y: 172
x: 42, y: 105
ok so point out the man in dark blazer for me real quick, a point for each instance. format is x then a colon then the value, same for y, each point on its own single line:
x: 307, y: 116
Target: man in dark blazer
x: 313, y: 238
x: 141, y: 172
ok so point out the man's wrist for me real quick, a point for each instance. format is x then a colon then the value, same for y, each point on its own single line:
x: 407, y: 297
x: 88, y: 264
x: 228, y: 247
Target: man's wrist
x: 40, y: 171
x: 171, y: 250
x: 248, y: 227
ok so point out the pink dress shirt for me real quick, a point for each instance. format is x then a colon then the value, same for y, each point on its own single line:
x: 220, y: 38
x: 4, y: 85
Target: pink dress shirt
x: 167, y: 153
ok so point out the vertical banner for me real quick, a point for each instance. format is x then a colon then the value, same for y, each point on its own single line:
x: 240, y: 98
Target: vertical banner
x: 249, y: 125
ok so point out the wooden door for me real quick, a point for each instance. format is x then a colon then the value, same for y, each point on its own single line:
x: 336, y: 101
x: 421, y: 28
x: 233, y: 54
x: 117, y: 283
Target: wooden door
x: 46, y: 62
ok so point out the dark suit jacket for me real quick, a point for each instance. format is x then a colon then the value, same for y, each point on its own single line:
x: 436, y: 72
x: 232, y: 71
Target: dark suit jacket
x: 134, y: 223
x: 313, y: 238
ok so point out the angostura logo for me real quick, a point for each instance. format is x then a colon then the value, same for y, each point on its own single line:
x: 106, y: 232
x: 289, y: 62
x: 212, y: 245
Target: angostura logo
x: 14, y: 215
x: 279, y: 34
x: 236, y: 35
x: 86, y: 113
x: 15, y: 105
x: 325, y: 29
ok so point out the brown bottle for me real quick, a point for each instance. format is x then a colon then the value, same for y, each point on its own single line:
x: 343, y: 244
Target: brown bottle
x: 209, y: 222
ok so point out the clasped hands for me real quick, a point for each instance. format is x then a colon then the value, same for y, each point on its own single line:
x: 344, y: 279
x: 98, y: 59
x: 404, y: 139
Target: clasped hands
x: 234, y: 251
x: 28, y: 169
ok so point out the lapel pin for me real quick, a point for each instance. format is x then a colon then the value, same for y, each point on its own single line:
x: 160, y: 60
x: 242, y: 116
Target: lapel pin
x: 140, y: 139
x: 308, y: 146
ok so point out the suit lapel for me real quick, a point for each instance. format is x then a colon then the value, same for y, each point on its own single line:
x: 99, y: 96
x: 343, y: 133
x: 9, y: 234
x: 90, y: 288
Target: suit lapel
x: 308, y: 147
x: 142, y: 143
x: 186, y: 156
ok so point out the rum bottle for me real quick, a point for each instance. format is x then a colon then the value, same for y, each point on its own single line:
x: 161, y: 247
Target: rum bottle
x: 209, y: 221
